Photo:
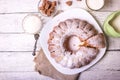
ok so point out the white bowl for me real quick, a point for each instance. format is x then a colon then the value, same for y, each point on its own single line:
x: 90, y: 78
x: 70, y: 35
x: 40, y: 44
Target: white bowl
x: 56, y: 8
x: 32, y: 19
x: 95, y: 5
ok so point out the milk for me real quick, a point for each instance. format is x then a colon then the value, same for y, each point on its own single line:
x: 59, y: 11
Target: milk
x: 95, y: 4
x: 32, y: 24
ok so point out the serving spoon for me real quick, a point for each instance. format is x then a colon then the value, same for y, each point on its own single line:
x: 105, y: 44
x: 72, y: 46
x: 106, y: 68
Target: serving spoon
x: 36, y: 36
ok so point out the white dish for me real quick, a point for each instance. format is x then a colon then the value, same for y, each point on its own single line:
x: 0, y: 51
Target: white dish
x: 73, y: 13
x: 95, y: 4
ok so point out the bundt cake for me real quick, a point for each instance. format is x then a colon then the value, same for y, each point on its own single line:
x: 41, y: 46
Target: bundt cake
x: 74, y: 43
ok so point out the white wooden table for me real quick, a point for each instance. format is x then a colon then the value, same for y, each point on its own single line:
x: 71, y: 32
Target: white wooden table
x: 16, y: 60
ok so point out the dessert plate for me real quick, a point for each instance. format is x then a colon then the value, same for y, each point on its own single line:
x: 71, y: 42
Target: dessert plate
x: 69, y: 14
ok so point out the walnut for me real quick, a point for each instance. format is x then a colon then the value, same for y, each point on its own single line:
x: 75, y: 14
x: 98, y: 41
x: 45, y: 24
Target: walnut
x: 69, y: 3
x: 48, y: 7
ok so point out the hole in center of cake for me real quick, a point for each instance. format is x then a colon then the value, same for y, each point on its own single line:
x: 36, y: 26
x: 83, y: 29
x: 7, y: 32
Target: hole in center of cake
x: 72, y: 43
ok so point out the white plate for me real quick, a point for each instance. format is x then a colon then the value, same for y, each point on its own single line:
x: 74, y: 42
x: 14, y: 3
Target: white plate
x: 73, y: 13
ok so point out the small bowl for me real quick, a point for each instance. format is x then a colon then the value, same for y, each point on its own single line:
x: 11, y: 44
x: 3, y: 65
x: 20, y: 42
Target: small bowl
x: 100, y: 7
x: 53, y: 13
x: 108, y: 27
x: 32, y: 30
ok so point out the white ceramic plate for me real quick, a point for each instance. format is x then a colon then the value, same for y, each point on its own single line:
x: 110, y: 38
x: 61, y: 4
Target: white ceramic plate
x: 73, y: 13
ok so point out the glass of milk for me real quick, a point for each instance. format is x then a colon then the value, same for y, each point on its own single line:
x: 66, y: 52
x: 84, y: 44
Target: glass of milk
x: 95, y: 4
x: 32, y: 24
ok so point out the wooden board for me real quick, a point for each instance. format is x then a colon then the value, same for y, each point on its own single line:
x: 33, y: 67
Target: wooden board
x: 110, y: 61
x: 22, y: 76
x: 100, y: 75
x: 12, y: 23
x: 15, y: 6
x: 17, y: 42
x: 31, y: 6
x: 16, y: 61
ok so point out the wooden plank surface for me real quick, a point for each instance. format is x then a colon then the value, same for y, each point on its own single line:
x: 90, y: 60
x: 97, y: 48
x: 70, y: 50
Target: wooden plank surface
x: 11, y: 23
x: 16, y: 61
x: 100, y: 75
x: 7, y: 6
x: 110, y: 61
x: 111, y: 5
x: 22, y: 76
x: 17, y: 42
x: 31, y: 5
